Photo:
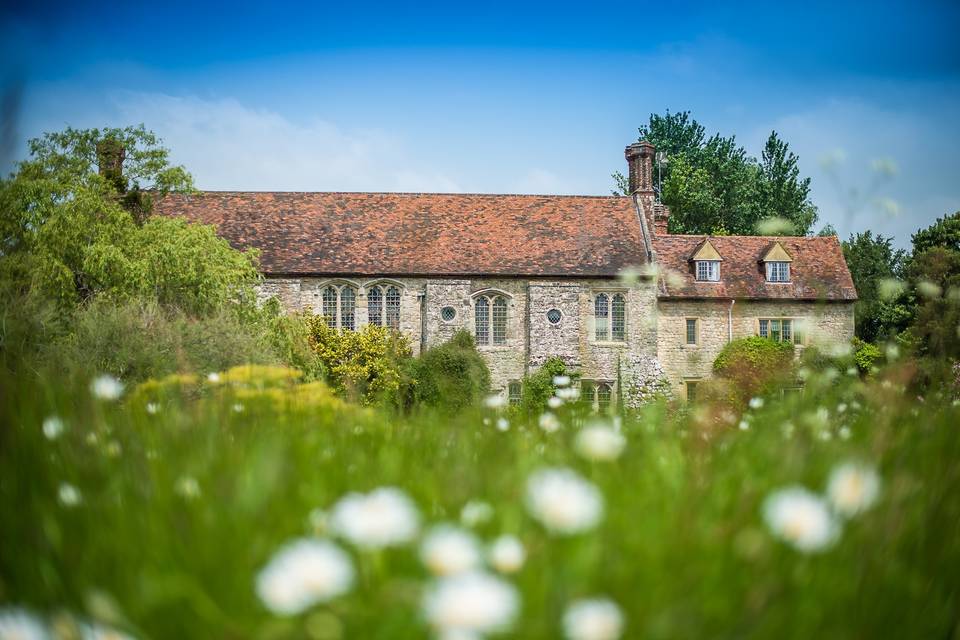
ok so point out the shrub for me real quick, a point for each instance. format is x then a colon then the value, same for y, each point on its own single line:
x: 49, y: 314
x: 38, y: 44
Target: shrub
x: 366, y: 365
x: 452, y: 375
x: 538, y: 386
x: 755, y: 365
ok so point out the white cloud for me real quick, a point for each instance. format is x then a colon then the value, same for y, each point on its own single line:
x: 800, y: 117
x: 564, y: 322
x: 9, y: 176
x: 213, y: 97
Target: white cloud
x: 229, y: 146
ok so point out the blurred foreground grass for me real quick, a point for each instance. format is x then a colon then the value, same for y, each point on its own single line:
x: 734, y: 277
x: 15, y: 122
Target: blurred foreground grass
x: 154, y: 513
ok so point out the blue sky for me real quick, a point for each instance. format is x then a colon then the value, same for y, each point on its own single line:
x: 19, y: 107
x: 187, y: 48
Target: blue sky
x: 505, y: 97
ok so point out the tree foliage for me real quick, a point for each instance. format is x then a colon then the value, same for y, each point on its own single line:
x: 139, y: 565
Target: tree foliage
x: 755, y: 365
x: 872, y: 259
x: 713, y: 186
x: 453, y: 375
x: 75, y: 232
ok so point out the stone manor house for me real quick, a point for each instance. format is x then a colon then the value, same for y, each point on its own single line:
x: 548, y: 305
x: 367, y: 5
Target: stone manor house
x: 595, y: 280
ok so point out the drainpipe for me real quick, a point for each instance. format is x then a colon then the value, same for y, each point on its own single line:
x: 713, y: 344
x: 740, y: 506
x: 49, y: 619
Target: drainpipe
x: 422, y: 299
x: 730, y: 321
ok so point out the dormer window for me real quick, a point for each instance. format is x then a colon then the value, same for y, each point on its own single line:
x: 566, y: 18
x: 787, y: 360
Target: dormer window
x: 708, y: 270
x: 706, y: 263
x: 778, y: 272
x: 776, y: 263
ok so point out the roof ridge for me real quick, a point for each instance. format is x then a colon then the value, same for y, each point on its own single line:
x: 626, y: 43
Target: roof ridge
x: 409, y: 193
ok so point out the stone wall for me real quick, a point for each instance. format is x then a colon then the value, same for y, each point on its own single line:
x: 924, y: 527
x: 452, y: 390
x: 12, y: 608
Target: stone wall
x: 820, y: 322
x: 530, y: 339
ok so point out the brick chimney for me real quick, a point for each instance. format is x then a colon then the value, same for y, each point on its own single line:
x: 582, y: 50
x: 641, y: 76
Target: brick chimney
x: 640, y: 161
x: 661, y: 217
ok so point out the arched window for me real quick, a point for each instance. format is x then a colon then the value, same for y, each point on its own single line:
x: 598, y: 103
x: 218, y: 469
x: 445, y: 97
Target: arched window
x: 375, y: 306
x: 339, y: 303
x: 618, y: 324
x: 481, y: 314
x: 393, y: 307
x: 383, y: 309
x: 604, y: 394
x: 330, y: 295
x: 610, y: 317
x: 601, y: 308
x: 490, y: 317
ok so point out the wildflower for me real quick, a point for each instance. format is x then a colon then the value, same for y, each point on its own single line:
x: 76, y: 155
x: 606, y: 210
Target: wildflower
x: 237, y: 407
x: 549, y: 422
x: 20, y: 624
x: 471, y: 603
x: 563, y: 501
x: 476, y: 512
x: 382, y: 518
x: 744, y: 425
x: 554, y: 402
x: 593, y: 619
x: 69, y: 495
x: 52, y: 427
x: 188, y: 487
x: 842, y: 407
x: 153, y: 408
x: 303, y: 573
x: 213, y: 377
x: 599, y: 442
x: 561, y: 381
x: 503, y: 424
x: 853, y: 488
x: 113, y: 449
x: 756, y: 403
x: 568, y: 393
x: 800, y: 518
x: 507, y: 554
x: 106, y: 387
x: 447, y: 550
x: 845, y: 433
x: 495, y: 401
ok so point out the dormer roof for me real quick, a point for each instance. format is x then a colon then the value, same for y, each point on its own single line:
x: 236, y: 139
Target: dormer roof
x: 706, y: 251
x: 776, y: 253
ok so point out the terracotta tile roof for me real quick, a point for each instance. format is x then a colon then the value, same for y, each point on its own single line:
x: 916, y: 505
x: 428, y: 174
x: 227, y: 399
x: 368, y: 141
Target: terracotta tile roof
x: 818, y: 270
x: 423, y: 234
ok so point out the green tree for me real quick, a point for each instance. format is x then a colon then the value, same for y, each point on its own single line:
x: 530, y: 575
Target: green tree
x: 945, y: 232
x: 75, y: 225
x: 713, y: 186
x: 871, y: 260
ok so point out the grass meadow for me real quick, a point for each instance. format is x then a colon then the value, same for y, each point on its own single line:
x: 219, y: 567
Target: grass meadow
x: 160, y: 511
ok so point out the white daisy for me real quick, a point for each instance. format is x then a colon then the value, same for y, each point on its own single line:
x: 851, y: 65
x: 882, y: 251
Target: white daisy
x: 382, y: 518
x: 568, y: 393
x: 495, y: 401
x: 213, y: 377
x: 593, y: 619
x: 561, y: 381
x: 20, y: 624
x: 473, y: 602
x: 507, y: 554
x: 106, y: 387
x: 549, y: 422
x: 599, y: 442
x: 188, y: 487
x: 98, y: 632
x: 447, y: 550
x: 52, y: 427
x: 853, y: 488
x: 153, y: 408
x: 563, y: 501
x: 503, y: 424
x: 554, y: 402
x: 302, y: 574
x: 744, y: 425
x: 476, y: 512
x: 756, y: 403
x: 800, y: 518
x: 69, y: 495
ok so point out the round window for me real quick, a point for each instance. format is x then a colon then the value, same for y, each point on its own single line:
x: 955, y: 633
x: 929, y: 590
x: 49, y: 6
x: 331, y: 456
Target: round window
x: 554, y: 316
x: 448, y: 314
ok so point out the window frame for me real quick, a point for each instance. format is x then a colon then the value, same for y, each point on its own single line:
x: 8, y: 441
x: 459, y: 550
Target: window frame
x: 389, y: 310
x: 714, y: 270
x: 494, y: 337
x: 607, y: 323
x: 514, y: 399
x: 696, y: 332
x: 771, y: 268
x: 688, y: 384
x: 797, y: 336
x: 336, y: 321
